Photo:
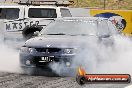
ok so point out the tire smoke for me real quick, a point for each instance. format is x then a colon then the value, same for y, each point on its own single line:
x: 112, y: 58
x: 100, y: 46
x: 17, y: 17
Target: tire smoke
x: 100, y: 58
x: 9, y: 59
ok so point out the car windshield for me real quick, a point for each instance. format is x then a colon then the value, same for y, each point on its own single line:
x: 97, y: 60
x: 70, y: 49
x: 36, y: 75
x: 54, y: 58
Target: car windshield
x: 9, y: 13
x: 42, y: 13
x: 72, y: 27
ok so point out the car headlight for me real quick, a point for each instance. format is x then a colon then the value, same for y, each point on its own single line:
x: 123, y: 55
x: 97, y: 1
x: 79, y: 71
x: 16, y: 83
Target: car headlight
x: 69, y: 51
x: 27, y: 49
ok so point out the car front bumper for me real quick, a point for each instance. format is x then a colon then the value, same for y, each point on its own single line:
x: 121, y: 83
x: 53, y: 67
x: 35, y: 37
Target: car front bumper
x: 36, y: 62
x: 44, y: 60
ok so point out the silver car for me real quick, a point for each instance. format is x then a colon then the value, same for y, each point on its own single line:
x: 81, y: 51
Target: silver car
x: 60, y: 41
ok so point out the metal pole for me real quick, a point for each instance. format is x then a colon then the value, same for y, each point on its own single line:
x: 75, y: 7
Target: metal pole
x: 77, y: 3
x: 104, y: 4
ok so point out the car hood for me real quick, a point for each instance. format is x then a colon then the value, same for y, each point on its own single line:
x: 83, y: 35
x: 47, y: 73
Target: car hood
x: 58, y: 41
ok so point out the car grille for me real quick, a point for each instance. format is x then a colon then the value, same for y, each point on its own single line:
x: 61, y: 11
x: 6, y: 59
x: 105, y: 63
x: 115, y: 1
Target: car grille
x: 48, y: 50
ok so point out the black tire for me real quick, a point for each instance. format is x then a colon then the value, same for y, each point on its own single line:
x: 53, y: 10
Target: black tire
x: 29, y: 31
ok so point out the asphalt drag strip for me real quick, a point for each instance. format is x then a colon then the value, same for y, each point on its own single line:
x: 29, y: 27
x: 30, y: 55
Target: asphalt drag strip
x: 13, y: 80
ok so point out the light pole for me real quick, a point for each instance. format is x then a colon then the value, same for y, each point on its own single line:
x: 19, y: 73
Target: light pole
x: 77, y: 3
x: 104, y: 4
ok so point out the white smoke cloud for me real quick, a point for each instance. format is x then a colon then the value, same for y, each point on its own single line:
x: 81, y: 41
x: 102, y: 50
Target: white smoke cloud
x: 9, y: 59
x: 115, y: 59
x: 119, y: 57
x: 98, y: 58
